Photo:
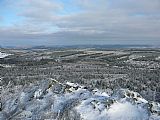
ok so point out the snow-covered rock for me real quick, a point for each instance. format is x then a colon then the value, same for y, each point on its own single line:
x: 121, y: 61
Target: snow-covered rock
x: 155, y: 107
x: 11, y: 107
x: 127, y: 111
x: 38, y: 93
x: 23, y: 115
x: 27, y: 94
x: 131, y: 96
x: 50, y: 99
x: 3, y: 116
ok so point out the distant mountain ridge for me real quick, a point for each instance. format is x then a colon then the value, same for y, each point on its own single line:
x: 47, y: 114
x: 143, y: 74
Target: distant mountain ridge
x: 114, y: 46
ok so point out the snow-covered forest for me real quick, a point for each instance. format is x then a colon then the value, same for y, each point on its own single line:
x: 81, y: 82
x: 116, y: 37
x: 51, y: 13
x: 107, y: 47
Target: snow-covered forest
x: 79, y: 84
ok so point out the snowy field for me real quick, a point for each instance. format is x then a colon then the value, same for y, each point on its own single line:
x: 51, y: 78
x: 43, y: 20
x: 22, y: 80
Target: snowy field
x: 3, y: 55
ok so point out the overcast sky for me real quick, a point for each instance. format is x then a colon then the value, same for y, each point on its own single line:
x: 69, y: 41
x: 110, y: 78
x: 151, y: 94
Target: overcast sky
x: 70, y: 22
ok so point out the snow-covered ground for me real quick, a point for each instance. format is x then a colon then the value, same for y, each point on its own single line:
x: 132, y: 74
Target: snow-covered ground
x: 3, y: 55
x: 52, y: 100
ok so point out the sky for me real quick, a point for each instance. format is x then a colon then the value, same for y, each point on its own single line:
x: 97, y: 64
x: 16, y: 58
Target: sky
x: 79, y: 22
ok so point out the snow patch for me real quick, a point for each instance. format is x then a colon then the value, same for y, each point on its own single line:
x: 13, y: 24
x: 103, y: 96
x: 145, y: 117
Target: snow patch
x: 126, y: 111
x: 3, y: 55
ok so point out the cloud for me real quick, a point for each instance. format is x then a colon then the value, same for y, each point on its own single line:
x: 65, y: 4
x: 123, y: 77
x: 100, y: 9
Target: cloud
x: 142, y: 6
x: 119, y: 20
x: 41, y: 10
x: 99, y: 21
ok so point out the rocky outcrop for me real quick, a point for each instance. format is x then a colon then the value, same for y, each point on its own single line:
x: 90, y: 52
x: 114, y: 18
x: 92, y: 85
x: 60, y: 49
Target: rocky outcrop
x: 50, y: 99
